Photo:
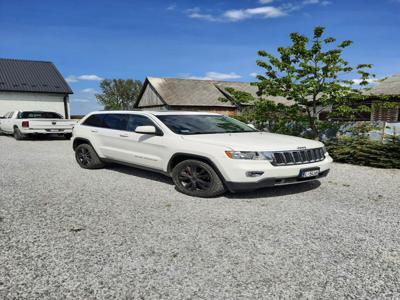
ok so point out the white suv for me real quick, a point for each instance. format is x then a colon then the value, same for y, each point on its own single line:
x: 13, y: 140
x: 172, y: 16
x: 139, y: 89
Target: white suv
x: 204, y: 153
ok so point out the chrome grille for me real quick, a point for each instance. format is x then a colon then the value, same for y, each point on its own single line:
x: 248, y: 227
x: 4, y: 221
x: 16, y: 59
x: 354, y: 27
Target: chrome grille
x: 298, y: 157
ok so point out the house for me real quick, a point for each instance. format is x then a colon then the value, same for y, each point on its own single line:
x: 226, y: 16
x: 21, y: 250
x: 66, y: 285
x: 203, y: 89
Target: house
x: 32, y: 85
x: 194, y: 95
x: 389, y: 89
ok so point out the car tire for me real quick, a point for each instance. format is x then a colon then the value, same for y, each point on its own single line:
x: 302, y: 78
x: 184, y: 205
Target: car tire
x: 87, y: 157
x: 68, y: 136
x: 17, y: 134
x: 197, y: 178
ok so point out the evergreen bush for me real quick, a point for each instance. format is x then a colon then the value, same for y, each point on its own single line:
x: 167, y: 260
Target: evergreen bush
x: 364, y: 152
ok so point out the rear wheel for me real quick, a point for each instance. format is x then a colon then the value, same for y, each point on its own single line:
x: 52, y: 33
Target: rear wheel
x: 17, y: 134
x: 87, y: 157
x: 197, y: 178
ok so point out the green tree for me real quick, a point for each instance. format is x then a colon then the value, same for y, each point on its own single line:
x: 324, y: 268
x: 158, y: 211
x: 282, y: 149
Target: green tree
x: 264, y: 113
x: 119, y: 94
x: 311, y: 73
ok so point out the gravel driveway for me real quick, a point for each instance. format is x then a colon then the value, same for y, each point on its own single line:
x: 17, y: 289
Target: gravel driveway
x: 121, y: 233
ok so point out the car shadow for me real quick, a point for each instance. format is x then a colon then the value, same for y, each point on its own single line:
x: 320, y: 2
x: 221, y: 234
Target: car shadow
x: 44, y: 137
x: 139, y: 173
x: 276, y: 191
x: 253, y: 194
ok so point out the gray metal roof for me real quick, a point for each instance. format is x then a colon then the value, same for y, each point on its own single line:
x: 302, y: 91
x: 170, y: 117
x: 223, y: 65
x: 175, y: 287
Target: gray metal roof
x: 31, y: 76
x: 192, y: 92
x: 389, y: 87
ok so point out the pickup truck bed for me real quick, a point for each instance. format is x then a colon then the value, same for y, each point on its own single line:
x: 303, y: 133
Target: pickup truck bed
x: 20, y: 124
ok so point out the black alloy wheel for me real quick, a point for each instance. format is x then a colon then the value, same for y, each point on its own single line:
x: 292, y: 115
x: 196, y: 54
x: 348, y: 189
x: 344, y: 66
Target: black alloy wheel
x: 87, y: 157
x: 83, y: 155
x: 197, y: 178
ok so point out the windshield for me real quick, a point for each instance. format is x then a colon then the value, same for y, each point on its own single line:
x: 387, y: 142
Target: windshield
x: 39, y: 115
x: 203, y: 124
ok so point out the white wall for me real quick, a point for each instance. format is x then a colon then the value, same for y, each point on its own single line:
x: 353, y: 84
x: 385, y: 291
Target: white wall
x: 31, y: 101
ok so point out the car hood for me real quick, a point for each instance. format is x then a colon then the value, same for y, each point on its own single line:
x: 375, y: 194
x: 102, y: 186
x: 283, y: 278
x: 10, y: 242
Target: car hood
x: 254, y: 141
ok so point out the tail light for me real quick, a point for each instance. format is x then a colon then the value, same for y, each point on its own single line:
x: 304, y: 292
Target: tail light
x: 25, y: 124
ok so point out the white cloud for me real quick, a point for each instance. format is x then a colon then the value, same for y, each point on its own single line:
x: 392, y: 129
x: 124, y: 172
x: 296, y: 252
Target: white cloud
x: 235, y: 15
x: 171, y: 6
x: 264, y: 11
x: 206, y: 17
x: 370, y: 81
x: 80, y: 100
x: 321, y: 2
x: 71, y: 79
x: 89, y: 91
x: 254, y: 74
x: 92, y: 77
x: 267, y: 12
x: 326, y: 3
x: 214, y: 76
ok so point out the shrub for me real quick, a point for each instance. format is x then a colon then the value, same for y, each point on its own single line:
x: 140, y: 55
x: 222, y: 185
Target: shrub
x: 364, y: 152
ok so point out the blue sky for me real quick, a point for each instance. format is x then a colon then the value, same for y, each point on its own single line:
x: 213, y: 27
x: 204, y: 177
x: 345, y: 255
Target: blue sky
x: 90, y: 40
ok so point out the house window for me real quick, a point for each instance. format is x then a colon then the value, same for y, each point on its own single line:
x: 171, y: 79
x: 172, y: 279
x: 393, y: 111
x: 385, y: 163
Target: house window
x: 385, y: 114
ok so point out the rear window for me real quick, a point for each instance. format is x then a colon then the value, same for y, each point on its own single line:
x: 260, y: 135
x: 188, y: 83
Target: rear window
x: 39, y: 115
x: 115, y: 121
x: 94, y: 120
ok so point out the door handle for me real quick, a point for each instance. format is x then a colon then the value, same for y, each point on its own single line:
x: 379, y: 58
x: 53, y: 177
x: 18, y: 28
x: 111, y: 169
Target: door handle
x: 93, y: 130
x: 123, y: 135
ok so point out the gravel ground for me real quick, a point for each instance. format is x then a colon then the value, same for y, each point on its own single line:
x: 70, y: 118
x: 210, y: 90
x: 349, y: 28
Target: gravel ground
x: 121, y: 233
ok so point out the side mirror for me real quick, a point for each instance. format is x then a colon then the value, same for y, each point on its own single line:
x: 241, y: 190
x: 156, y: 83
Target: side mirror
x: 146, y: 130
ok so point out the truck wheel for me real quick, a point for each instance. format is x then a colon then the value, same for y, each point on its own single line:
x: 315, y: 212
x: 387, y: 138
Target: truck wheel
x: 87, y: 158
x: 17, y: 134
x: 197, y: 178
x: 68, y: 136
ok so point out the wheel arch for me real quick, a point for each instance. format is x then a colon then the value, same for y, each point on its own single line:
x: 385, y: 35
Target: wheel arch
x: 179, y: 157
x: 80, y: 141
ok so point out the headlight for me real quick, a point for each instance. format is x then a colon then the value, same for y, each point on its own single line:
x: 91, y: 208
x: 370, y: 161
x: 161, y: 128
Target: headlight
x: 250, y: 155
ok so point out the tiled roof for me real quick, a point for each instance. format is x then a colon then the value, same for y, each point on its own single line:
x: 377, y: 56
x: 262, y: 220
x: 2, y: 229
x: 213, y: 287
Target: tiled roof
x: 192, y: 92
x: 31, y: 76
x: 389, y: 86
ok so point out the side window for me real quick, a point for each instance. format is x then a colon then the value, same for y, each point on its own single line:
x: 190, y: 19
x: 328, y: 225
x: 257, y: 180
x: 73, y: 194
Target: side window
x: 116, y: 121
x: 94, y: 120
x: 138, y: 120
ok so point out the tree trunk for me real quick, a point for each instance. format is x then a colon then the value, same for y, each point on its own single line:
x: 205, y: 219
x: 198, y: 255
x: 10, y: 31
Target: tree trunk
x: 311, y: 121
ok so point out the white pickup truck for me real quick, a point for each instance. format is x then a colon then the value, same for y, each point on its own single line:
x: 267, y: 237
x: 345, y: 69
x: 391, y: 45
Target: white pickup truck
x: 25, y: 123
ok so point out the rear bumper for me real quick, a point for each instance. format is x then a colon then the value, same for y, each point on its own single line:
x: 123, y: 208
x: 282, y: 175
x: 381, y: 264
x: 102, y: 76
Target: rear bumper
x: 269, y: 182
x: 46, y: 131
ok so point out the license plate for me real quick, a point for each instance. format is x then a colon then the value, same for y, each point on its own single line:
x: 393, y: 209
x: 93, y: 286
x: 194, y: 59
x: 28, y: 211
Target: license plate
x: 307, y: 173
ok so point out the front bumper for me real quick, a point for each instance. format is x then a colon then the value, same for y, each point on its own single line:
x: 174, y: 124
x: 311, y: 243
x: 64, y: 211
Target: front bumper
x: 235, y: 173
x: 269, y: 182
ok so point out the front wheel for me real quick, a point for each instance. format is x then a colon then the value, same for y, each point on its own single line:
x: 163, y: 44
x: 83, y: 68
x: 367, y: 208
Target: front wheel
x: 197, y: 178
x: 87, y: 157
